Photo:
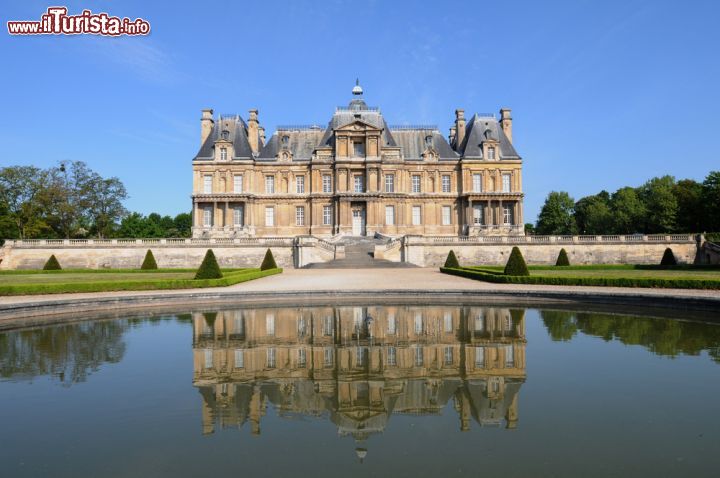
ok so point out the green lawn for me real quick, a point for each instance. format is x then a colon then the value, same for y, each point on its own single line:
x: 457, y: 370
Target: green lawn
x: 613, y: 271
x: 70, y: 281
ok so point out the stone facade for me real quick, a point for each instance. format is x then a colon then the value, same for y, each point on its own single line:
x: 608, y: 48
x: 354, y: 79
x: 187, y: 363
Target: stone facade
x: 356, y: 176
x: 358, y: 365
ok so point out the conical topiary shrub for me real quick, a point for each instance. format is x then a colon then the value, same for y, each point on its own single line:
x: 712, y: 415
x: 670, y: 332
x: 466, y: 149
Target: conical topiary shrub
x: 268, y: 262
x: 52, y: 264
x: 562, y: 259
x: 209, y: 269
x: 451, y: 260
x: 516, y: 264
x: 668, y: 258
x: 149, y: 262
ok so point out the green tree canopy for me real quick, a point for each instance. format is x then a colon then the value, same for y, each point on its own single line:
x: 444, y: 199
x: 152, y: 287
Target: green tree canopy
x: 556, y: 216
x: 593, y: 214
x: 710, y: 197
x: 661, y: 206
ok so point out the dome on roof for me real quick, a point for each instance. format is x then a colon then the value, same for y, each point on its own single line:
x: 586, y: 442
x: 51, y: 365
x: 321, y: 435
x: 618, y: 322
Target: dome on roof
x: 357, y: 89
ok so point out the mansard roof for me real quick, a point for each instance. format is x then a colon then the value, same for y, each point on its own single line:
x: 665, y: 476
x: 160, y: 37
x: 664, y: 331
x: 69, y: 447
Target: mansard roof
x: 237, y: 134
x: 485, y: 128
x: 414, y: 142
x: 301, y: 142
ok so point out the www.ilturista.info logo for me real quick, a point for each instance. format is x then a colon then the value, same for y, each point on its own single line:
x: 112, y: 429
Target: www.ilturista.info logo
x: 57, y: 22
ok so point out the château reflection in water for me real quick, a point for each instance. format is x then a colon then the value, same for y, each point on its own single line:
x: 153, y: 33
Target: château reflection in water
x: 359, y: 365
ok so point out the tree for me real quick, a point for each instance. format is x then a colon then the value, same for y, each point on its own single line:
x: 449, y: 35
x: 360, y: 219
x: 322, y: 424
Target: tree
x: 660, y: 205
x: 516, y: 264
x: 529, y: 229
x: 710, y: 197
x: 149, y: 262
x: 52, y: 264
x: 688, y: 194
x: 268, y: 261
x: 593, y: 214
x: 66, y: 197
x: 104, y: 203
x: 183, y: 224
x: 562, y: 259
x: 628, y: 211
x: 20, y: 189
x: 556, y: 216
x: 452, y: 261
x: 209, y: 269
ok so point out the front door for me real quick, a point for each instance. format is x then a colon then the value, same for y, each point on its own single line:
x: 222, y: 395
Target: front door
x: 358, y: 221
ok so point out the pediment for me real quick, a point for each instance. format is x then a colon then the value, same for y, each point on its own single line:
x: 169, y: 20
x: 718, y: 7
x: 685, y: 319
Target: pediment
x: 357, y: 125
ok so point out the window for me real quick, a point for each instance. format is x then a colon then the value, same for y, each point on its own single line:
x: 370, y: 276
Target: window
x: 446, y: 215
x: 299, y: 216
x: 479, y: 323
x: 223, y: 154
x: 477, y: 182
x: 446, y: 184
x: 328, y: 326
x: 416, y: 215
x: 208, y: 358
x: 389, y: 215
x: 300, y: 184
x: 508, y: 218
x: 327, y: 215
x: 419, y: 358
x: 392, y: 324
x: 301, y: 327
x: 328, y: 356
x: 448, y: 322
x: 418, y: 324
x: 269, y: 184
x: 416, y: 183
x: 359, y: 183
x: 326, y: 183
x: 270, y: 324
x: 207, y: 216
x: 448, y: 355
x: 285, y: 141
x: 302, y: 358
x: 207, y: 184
x: 271, y: 357
x: 491, y: 152
x: 389, y: 183
x: 392, y: 356
x: 506, y: 183
x: 239, y: 358
x: 509, y: 356
x: 480, y: 357
x: 359, y: 149
x: 360, y: 356
x: 478, y: 213
x: 238, y: 324
x: 238, y: 215
x: 238, y: 183
x: 269, y: 216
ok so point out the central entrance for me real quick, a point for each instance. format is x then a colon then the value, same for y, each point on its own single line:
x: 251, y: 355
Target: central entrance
x: 358, y: 219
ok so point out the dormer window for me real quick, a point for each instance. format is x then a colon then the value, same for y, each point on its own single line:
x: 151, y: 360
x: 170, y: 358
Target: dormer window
x: 285, y: 141
x: 225, y: 134
x: 359, y: 149
x: 223, y: 154
x: 428, y: 141
x: 491, y: 152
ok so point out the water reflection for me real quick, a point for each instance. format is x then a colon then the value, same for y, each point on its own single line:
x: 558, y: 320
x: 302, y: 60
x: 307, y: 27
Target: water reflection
x: 359, y: 365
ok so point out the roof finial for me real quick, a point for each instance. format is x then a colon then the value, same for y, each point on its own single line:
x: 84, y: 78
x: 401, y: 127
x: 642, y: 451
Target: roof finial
x: 357, y: 89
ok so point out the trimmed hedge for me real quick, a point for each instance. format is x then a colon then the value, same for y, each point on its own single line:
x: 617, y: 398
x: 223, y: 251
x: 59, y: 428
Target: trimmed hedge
x: 516, y: 264
x: 149, y: 262
x: 52, y: 264
x: 562, y: 259
x: 668, y: 258
x: 268, y: 261
x: 209, y: 269
x: 451, y: 260
x: 586, y: 281
x: 107, y: 271
x: 158, y: 284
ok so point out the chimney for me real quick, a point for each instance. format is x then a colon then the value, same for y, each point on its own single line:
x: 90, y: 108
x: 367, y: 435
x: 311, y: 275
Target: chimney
x: 253, y: 133
x: 206, y: 125
x: 451, y: 136
x: 506, y: 122
x: 262, y: 135
x: 459, y: 126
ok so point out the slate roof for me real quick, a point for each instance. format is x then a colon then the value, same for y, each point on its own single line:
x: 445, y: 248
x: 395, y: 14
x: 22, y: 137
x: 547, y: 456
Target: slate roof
x: 414, y: 142
x: 477, y: 130
x: 237, y: 133
x: 301, y: 143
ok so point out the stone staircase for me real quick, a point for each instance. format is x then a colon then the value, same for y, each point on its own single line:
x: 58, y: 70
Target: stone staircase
x: 359, y: 252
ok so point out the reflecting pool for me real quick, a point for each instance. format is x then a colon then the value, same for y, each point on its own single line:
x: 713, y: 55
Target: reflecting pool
x: 362, y: 390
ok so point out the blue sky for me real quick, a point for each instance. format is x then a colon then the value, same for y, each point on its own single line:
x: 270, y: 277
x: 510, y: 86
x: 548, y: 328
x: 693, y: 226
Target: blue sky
x: 604, y: 93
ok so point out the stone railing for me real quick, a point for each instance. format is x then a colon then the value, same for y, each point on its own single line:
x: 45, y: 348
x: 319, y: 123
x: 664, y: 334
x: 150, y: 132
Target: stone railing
x: 609, y: 239
x: 172, y: 242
